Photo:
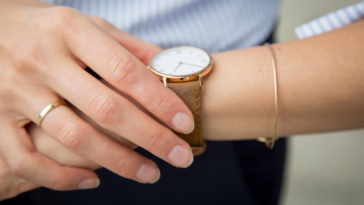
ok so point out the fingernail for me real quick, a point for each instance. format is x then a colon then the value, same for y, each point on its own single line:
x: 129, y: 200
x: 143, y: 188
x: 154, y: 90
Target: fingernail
x: 89, y: 183
x: 148, y: 173
x: 183, y: 123
x: 180, y: 156
x: 157, y: 179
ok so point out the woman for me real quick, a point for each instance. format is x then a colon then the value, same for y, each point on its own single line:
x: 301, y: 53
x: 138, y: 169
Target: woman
x: 233, y: 108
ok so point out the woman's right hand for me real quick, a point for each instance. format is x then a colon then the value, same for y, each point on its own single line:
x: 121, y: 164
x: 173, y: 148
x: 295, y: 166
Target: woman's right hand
x: 43, y: 51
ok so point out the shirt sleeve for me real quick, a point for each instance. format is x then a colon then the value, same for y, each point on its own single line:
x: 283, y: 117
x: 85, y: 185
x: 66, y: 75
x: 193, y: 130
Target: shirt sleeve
x: 331, y: 21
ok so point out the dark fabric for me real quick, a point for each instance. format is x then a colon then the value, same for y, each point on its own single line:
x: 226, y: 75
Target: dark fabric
x: 239, y: 172
x: 243, y: 172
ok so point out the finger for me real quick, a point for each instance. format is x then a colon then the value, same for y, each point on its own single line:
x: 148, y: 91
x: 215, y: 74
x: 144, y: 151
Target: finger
x: 15, y: 186
x: 124, y: 71
x: 144, y: 51
x: 52, y: 149
x: 83, y: 139
x: 12, y: 185
x: 115, y: 113
x: 24, y: 162
x: 107, y: 132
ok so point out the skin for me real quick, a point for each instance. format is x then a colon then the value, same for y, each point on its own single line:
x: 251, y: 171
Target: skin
x: 12, y: 185
x: 43, y: 51
x: 325, y: 94
x: 320, y: 89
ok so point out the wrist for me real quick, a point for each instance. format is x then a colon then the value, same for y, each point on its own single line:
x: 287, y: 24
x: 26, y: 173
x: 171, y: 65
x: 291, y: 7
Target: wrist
x: 238, y: 102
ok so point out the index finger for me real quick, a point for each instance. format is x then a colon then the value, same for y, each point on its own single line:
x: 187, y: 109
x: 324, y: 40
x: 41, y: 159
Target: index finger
x: 125, y: 72
x: 144, y: 51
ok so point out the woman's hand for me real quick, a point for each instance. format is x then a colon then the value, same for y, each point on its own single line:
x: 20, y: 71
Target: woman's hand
x: 43, y: 51
x: 12, y: 185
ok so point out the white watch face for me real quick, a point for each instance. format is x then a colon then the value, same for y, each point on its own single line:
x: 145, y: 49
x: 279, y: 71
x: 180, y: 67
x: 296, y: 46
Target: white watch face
x: 181, y: 61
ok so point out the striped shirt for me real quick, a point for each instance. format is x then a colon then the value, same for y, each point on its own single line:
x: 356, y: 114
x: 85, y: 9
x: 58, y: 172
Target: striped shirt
x: 331, y: 21
x: 213, y: 25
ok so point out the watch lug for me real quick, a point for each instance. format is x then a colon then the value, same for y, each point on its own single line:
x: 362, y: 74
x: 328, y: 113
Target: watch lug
x: 165, y: 81
x: 201, y: 81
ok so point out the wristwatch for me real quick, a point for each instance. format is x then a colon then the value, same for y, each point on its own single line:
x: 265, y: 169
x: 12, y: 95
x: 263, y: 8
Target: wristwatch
x: 182, y: 70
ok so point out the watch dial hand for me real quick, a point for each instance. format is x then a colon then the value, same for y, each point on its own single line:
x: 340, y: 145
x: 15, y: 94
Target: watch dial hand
x: 192, y: 65
x: 177, y: 66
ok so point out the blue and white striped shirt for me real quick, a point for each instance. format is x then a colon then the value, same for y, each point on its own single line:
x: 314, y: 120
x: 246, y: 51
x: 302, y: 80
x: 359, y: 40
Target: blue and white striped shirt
x: 331, y: 21
x: 213, y: 25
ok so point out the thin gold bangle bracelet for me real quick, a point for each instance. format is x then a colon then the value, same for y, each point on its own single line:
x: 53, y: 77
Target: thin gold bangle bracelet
x: 269, y: 142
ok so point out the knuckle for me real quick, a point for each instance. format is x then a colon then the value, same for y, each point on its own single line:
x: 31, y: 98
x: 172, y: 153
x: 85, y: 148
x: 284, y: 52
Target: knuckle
x: 100, y: 22
x: 123, y: 165
x: 61, y: 15
x: 17, y: 165
x: 65, y: 20
x: 60, y: 183
x: 30, y: 56
x: 10, y: 82
x: 160, y: 103
x: 123, y: 69
x: 104, y: 108
x: 157, y: 141
x: 70, y: 134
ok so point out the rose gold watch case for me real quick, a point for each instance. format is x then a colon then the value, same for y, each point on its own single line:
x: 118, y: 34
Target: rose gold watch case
x: 182, y: 78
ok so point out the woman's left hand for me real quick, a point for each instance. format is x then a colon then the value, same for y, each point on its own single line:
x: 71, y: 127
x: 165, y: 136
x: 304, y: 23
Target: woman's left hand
x: 12, y: 185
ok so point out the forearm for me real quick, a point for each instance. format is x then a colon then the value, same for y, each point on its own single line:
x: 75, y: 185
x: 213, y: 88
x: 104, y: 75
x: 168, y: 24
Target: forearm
x: 320, y: 87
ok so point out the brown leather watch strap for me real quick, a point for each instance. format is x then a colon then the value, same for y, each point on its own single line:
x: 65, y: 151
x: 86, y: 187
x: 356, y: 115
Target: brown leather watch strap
x: 190, y: 93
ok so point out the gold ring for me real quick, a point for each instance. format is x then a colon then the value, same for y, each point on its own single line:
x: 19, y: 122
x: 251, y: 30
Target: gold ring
x: 47, y: 109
